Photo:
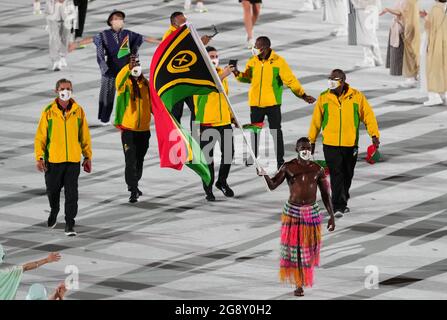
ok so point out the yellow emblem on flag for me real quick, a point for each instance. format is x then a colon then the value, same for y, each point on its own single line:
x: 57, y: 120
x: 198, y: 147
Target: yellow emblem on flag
x: 182, y: 61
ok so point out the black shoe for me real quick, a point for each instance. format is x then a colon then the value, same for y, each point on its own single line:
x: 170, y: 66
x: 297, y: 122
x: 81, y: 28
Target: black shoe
x: 69, y: 231
x: 134, y: 195
x: 225, y: 188
x: 210, y: 196
x: 346, y: 210
x: 52, y: 221
x: 139, y: 192
x: 338, y: 213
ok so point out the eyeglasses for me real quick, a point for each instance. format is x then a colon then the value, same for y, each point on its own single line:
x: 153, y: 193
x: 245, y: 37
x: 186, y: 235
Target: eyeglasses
x: 336, y: 79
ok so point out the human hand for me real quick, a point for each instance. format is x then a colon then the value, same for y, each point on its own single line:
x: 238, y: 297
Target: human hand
x: 423, y: 13
x: 205, y: 39
x: 309, y: 99
x: 261, y: 172
x: 331, y: 223
x: 53, y: 257
x: 41, y: 166
x: 87, y: 165
x: 60, y: 291
x: 72, y: 46
x: 384, y: 11
x: 132, y: 61
x: 376, y: 141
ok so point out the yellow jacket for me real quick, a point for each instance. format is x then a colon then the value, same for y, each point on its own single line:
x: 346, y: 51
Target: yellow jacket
x: 132, y: 112
x: 167, y: 33
x: 267, y: 79
x: 62, y: 138
x: 339, y: 118
x: 213, y: 109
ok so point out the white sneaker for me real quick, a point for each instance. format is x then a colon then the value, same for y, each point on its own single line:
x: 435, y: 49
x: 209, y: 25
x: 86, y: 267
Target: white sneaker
x: 409, y: 83
x: 338, y: 214
x: 57, y: 66
x: 367, y: 63
x: 339, y: 32
x: 37, y: 10
x: 308, y: 5
x: 250, y: 43
x: 200, y: 7
x: 187, y: 5
x: 434, y: 99
x: 63, y: 62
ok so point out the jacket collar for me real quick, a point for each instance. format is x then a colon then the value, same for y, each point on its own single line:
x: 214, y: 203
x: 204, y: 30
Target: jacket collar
x: 55, y: 107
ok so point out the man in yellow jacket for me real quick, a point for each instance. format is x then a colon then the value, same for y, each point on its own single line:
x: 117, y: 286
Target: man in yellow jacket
x: 338, y: 113
x: 215, y: 118
x: 133, y: 117
x: 61, y: 137
x: 267, y: 72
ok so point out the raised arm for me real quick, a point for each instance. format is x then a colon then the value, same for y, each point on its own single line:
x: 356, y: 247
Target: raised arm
x: 245, y: 76
x: 52, y: 257
x: 325, y: 190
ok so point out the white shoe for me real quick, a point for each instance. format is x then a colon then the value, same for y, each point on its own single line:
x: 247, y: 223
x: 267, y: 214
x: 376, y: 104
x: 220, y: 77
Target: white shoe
x: 63, y: 62
x: 200, y: 7
x: 57, y: 66
x: 37, y: 10
x: 339, y: 32
x: 409, y: 83
x: 367, y: 63
x: 250, y: 43
x: 338, y: 214
x: 317, y: 4
x: 306, y: 7
x: 187, y: 5
x: 434, y: 99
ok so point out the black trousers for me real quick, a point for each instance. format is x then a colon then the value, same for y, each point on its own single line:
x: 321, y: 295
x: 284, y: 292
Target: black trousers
x: 177, y: 110
x: 82, y: 12
x: 64, y: 175
x: 106, y: 98
x: 341, y: 163
x: 208, y: 138
x: 135, y: 145
x: 274, y: 117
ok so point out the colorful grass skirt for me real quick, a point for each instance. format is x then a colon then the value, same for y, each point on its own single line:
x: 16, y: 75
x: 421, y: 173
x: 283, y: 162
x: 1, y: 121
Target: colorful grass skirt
x: 300, y: 243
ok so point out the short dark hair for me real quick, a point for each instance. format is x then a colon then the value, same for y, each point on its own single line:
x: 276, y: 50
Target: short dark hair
x: 341, y: 73
x: 209, y: 49
x: 175, y: 15
x: 63, y: 80
x: 265, y: 41
x: 302, y: 140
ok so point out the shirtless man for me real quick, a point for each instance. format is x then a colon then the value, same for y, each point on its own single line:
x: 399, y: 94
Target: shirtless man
x: 301, y: 219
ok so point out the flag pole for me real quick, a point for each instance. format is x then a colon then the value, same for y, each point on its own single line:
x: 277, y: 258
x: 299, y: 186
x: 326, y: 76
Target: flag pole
x: 221, y: 89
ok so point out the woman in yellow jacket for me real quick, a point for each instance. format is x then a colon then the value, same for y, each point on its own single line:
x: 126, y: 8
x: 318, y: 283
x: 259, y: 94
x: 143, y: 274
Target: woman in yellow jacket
x: 215, y: 118
x: 267, y: 72
x: 61, y: 137
x: 338, y: 113
x: 133, y: 117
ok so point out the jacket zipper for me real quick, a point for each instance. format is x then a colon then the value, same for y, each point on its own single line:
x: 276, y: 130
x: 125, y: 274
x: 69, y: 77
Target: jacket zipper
x: 260, y: 86
x: 339, y: 131
x: 66, y: 140
x: 139, y: 105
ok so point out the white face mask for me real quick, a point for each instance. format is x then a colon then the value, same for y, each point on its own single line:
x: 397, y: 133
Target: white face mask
x: 305, y: 155
x: 215, y: 62
x: 117, y: 24
x: 333, y: 84
x: 65, y: 95
x: 255, y: 51
x: 136, y: 71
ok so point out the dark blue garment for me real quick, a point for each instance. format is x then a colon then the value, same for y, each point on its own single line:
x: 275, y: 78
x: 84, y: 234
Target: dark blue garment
x: 108, y: 43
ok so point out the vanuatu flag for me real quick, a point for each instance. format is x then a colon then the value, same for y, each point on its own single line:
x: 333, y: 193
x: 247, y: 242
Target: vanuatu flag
x: 124, y: 49
x: 180, y: 68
